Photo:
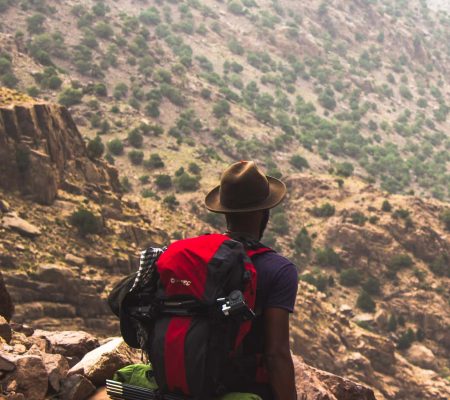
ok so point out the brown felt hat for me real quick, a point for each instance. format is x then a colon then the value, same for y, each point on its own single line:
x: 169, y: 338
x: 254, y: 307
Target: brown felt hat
x: 243, y: 188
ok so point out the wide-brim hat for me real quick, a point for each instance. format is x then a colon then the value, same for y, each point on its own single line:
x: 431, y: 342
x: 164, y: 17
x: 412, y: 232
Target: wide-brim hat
x: 244, y: 188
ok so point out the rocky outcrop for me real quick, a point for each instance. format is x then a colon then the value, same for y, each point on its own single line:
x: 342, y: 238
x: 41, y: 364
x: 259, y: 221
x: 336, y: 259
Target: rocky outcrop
x: 31, y: 370
x: 41, y: 150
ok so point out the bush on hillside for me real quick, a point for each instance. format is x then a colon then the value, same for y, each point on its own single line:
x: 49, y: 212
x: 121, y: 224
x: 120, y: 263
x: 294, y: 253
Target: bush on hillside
x: 324, y: 211
x: 365, y: 302
x: 95, y: 148
x: 35, y: 24
x: 303, y: 242
x: 350, y: 277
x: 115, y: 147
x: 345, y: 169
x: 327, y: 257
x: 85, y: 222
x: 186, y: 182
x: 372, y: 286
x: 136, y: 157
x: 135, y: 138
x: 10, y: 80
x: 358, y: 218
x: 163, y: 181
x: 221, y: 108
x: 399, y: 261
x: 280, y: 224
x: 445, y: 218
x: 69, y: 97
x: 171, y: 202
x: 299, y: 162
x: 154, y: 161
x: 406, y: 339
x: 194, y: 168
x: 441, y: 266
x: 120, y: 91
x: 386, y: 206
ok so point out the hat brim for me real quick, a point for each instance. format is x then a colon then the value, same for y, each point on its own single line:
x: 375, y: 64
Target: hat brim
x: 275, y: 197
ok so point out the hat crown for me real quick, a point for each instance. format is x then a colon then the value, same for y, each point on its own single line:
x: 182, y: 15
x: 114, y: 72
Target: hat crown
x: 243, y: 185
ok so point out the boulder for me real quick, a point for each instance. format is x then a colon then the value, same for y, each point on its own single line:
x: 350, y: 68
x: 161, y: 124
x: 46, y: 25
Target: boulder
x: 4, y: 206
x: 5, y: 330
x: 6, y: 305
x: 76, y: 387
x: 6, y: 364
x: 29, y: 377
x: 24, y: 228
x: 314, y: 384
x: 57, y: 368
x: 74, y: 260
x: 101, y: 363
x: 69, y: 343
x: 52, y: 273
x: 422, y: 356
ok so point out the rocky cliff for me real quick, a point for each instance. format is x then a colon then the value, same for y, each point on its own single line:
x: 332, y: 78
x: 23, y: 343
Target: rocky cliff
x: 42, y: 150
x: 70, y: 365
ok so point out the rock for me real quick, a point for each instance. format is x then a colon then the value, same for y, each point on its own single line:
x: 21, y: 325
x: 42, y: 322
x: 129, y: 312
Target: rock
x: 381, y: 318
x: 52, y: 273
x: 4, y: 206
x: 76, y: 387
x: 5, y: 330
x: 6, y: 305
x: 314, y: 384
x: 69, y: 343
x: 74, y: 260
x: 101, y: 363
x: 6, y: 365
x: 15, y: 223
x: 100, y: 394
x: 29, y: 377
x: 346, y: 310
x: 422, y: 356
x: 57, y: 368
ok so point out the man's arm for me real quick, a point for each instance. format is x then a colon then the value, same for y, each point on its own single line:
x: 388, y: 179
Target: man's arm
x: 278, y: 355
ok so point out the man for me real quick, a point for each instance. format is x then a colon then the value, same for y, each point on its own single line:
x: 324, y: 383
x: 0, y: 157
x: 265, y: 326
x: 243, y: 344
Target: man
x: 245, y: 196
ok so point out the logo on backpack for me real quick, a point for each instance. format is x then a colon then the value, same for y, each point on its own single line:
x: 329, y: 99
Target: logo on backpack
x: 174, y: 281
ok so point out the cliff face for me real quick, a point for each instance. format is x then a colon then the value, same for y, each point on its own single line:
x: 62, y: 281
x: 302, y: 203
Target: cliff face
x: 41, y: 150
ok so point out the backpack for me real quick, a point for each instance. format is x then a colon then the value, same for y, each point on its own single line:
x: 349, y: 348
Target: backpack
x: 192, y: 313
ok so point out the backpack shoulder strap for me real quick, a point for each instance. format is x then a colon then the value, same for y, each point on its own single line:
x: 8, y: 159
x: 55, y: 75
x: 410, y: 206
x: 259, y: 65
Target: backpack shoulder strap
x: 253, y: 252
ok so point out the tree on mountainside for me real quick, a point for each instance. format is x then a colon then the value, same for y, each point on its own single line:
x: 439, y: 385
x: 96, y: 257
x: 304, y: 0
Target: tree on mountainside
x: 221, y: 108
x: 85, y: 221
x: 445, y: 218
x: 35, y: 23
x: 95, y: 148
x: 365, y: 302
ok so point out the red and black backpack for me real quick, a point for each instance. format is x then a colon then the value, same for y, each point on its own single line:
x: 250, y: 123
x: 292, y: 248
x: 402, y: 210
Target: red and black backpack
x: 192, y: 314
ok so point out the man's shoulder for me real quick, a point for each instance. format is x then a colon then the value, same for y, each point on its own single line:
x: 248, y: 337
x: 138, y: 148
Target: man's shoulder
x: 275, y: 260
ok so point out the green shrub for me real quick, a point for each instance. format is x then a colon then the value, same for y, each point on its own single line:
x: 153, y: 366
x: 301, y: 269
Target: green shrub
x: 194, y: 168
x: 441, y: 265
x: 345, y: 169
x: 299, y: 162
x: 365, y: 302
x: 146, y: 193
x: 303, y: 242
x: 372, y: 286
x: 405, y: 92
x: 216, y: 220
x: 120, y: 91
x: 35, y: 23
x: 406, y: 339
x: 152, y: 109
x: 399, y: 261
x: 171, y: 202
x: 221, y: 108
x: 327, y: 100
x: 135, y: 138
x: 4, y: 5
x: 85, y: 222
x: 115, y: 147
x: 186, y: 182
x: 320, y: 281
x: 144, y: 179
x: 95, y: 148
x: 163, y: 181
x: 279, y: 223
x: 103, y: 30
x: 358, y: 218
x: 386, y: 206
x: 136, y: 157
x: 401, y: 213
x: 206, y: 94
x: 10, y: 80
x: 235, y: 7
x: 327, y: 257
x: 445, y: 218
x: 235, y: 47
x: 324, y: 211
x: 154, y: 162
x: 125, y: 184
x: 350, y: 277
x: 70, y: 97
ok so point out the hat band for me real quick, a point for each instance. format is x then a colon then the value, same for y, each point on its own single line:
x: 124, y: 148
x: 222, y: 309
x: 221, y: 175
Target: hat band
x: 231, y: 203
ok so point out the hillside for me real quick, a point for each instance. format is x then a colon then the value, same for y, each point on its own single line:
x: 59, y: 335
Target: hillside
x: 347, y: 101
x: 373, y: 302
x: 209, y: 82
